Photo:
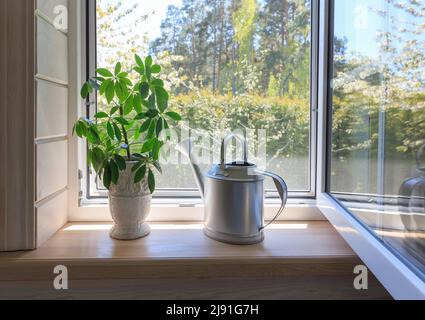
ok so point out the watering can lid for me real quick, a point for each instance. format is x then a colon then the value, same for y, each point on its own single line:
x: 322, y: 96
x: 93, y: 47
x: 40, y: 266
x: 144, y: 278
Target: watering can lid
x: 235, y: 171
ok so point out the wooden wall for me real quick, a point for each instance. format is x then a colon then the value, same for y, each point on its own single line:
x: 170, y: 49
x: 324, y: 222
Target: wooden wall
x: 17, y: 125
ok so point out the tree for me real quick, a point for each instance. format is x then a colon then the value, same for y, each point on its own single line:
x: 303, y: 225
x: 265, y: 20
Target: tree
x: 118, y: 33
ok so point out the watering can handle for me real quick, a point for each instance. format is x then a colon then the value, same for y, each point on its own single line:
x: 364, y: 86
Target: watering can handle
x: 224, y: 143
x: 282, y: 189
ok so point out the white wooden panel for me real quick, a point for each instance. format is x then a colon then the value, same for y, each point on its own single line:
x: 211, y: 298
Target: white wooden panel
x: 51, y: 216
x: 52, y: 51
x: 47, y: 6
x: 52, y: 168
x: 52, y: 110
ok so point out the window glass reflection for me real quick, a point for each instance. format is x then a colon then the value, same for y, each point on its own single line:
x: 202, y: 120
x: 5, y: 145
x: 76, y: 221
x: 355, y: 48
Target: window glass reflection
x: 378, y: 119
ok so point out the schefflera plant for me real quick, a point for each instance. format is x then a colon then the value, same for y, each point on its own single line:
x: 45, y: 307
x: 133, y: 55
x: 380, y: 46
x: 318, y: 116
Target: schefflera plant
x: 130, y: 128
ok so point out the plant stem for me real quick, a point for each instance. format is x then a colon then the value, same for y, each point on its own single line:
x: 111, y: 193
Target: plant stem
x: 125, y: 134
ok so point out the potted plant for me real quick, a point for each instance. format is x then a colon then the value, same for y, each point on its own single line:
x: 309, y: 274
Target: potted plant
x: 125, y: 139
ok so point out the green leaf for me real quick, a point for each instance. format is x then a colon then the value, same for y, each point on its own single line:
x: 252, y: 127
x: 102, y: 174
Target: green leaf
x: 98, y: 154
x: 97, y: 157
x: 107, y: 176
x: 140, y: 70
x: 152, y: 128
x: 144, y: 90
x: 120, y: 162
x: 137, y: 166
x: 110, y: 130
x: 156, y: 68
x: 130, y: 124
x: 161, y: 98
x: 86, y: 89
x: 93, y: 136
x: 115, y: 173
x: 174, y: 115
x: 138, y: 156
x: 101, y: 115
x: 138, y: 60
x: 148, y: 73
x: 114, y: 110
x: 148, y: 65
x: 104, y: 72
x: 148, y: 145
x: 126, y: 81
x: 117, y: 131
x: 140, y: 174
x: 157, y: 83
x: 137, y: 101
x: 104, y: 86
x: 151, y: 181
x: 145, y: 103
x: 124, y: 89
x: 148, y: 61
x: 156, y: 149
x: 117, y: 68
x: 128, y: 106
x: 90, y: 87
x: 159, y: 127
x: 110, y: 90
x: 136, y: 135
x: 79, y: 129
x: 157, y: 165
x: 120, y: 90
x: 152, y: 102
x: 152, y: 113
x: 122, y: 75
x: 145, y: 126
x: 89, y: 157
x: 141, y: 116
x: 122, y: 121
x: 166, y: 126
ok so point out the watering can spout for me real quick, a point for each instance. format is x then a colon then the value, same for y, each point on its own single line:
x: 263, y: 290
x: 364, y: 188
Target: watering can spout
x: 185, y: 148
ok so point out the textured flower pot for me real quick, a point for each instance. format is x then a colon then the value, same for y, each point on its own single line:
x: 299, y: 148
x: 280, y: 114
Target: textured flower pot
x: 130, y: 205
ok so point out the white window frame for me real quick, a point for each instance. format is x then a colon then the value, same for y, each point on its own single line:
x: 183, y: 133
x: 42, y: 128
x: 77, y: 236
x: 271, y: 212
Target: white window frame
x: 394, y: 272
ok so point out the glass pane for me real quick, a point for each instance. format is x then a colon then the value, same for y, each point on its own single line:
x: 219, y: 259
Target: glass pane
x: 230, y: 65
x: 378, y: 125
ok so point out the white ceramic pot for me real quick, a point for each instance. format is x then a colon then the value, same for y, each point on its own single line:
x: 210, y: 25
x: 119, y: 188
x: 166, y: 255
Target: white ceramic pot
x: 130, y: 205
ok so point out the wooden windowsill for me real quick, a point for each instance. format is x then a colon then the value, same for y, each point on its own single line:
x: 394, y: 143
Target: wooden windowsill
x: 309, y: 254
x: 178, y: 241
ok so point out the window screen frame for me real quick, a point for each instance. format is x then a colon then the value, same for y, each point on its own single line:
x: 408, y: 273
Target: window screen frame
x: 334, y: 200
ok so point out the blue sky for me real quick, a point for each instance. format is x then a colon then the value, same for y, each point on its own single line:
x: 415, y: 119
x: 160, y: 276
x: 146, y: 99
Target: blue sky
x: 356, y: 21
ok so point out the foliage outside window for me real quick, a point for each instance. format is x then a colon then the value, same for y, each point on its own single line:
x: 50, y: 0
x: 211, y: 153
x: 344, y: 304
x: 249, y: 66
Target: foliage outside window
x: 230, y: 64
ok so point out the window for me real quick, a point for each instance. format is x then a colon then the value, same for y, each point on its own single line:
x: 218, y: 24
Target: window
x: 230, y: 65
x: 378, y: 119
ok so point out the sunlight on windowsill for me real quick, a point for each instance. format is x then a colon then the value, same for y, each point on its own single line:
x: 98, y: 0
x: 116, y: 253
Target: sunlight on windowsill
x: 178, y: 226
